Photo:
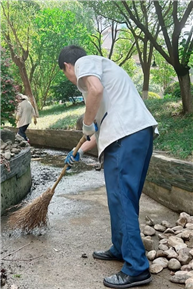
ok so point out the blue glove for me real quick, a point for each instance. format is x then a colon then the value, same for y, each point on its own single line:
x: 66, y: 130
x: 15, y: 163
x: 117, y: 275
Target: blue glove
x: 70, y: 159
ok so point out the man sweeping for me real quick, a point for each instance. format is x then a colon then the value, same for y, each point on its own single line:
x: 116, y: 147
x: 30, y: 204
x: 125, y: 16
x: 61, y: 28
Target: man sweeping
x: 118, y: 122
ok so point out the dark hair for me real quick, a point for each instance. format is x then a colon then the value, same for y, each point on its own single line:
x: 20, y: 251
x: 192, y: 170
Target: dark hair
x: 70, y: 54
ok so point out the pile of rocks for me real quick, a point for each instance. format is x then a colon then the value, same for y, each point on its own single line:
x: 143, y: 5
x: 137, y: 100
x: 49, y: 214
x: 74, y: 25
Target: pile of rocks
x: 174, y: 250
x: 11, y: 144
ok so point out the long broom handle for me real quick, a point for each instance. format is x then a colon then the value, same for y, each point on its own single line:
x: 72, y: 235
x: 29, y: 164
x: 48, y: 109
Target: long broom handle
x: 81, y: 141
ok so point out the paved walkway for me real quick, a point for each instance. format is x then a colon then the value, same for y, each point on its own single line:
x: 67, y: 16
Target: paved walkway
x: 61, y: 257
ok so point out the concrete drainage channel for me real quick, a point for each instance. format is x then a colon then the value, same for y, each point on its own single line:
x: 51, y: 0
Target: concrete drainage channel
x: 60, y: 256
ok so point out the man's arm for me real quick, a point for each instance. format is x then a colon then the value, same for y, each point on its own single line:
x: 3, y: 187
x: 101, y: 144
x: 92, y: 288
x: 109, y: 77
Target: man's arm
x: 94, y: 97
x: 88, y: 145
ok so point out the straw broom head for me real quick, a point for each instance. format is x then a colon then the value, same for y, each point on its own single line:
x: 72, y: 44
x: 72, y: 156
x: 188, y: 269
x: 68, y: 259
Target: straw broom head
x: 33, y: 215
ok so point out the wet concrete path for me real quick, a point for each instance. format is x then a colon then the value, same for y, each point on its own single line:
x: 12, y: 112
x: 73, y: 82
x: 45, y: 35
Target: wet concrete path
x: 60, y: 257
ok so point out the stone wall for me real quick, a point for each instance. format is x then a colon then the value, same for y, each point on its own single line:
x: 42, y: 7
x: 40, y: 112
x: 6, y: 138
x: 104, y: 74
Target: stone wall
x: 169, y: 181
x: 16, y: 183
x: 55, y: 138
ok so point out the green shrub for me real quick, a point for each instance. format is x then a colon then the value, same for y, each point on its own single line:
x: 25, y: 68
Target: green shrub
x: 168, y: 96
x: 8, y: 91
x: 65, y: 90
x: 174, y: 90
x: 153, y: 95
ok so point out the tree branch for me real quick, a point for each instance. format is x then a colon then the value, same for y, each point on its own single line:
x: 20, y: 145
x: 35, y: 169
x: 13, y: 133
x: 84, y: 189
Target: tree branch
x: 147, y: 33
x: 186, y: 14
x: 163, y: 26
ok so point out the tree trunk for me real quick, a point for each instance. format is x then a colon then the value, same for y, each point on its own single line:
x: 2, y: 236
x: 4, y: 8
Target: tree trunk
x: 185, y: 88
x: 27, y: 86
x: 146, y: 76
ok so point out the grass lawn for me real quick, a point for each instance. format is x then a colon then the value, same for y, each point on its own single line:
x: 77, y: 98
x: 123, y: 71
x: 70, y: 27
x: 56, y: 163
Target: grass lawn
x: 59, y: 116
x: 176, y: 130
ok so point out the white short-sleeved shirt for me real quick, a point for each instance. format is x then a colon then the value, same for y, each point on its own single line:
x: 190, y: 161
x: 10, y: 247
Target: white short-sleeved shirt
x: 122, y: 111
x: 25, y: 112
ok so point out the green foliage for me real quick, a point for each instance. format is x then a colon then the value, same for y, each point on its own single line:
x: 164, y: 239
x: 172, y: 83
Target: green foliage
x: 64, y: 90
x: 40, y: 30
x: 176, y: 130
x: 174, y: 90
x: 56, y: 26
x: 153, y: 95
x: 163, y: 74
x: 8, y: 91
x: 138, y: 81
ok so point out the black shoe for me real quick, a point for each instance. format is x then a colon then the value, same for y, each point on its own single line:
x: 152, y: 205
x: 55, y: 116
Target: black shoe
x: 121, y: 280
x: 105, y: 255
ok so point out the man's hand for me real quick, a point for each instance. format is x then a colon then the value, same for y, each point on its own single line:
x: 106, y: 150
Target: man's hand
x: 70, y: 159
x: 35, y: 120
x: 88, y: 130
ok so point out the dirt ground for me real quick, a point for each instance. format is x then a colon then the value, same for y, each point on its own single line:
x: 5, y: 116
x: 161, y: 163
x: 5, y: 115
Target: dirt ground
x: 60, y: 256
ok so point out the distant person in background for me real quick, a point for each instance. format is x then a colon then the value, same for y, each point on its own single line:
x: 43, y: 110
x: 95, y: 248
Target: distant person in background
x: 24, y: 114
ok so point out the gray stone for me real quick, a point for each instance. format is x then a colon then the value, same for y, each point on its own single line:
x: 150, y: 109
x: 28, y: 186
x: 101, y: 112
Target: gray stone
x: 190, y: 220
x: 171, y: 253
x: 169, y: 231
x: 186, y: 234
x: 19, y: 138
x: 15, y: 150
x: 187, y: 268
x: 159, y: 227
x: 162, y: 236
x: 189, y: 226
x: 162, y: 247
x: 151, y: 255
x: 179, y: 277
x: 161, y: 253
x: 191, y: 252
x: 189, y: 283
x: 161, y: 261
x: 183, y: 219
x: 173, y: 241
x: 164, y: 241
x: 7, y: 155
x: 177, y: 228
x: 166, y: 224
x: 149, y: 231
x: 148, y: 244
x: 7, y: 134
x: 178, y: 247
x: 24, y: 143
x: 184, y: 257
x: 155, y: 268
x: 190, y: 242
x: 174, y: 264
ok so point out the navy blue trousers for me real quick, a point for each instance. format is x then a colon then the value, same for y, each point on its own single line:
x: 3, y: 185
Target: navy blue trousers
x: 22, y: 130
x: 126, y: 163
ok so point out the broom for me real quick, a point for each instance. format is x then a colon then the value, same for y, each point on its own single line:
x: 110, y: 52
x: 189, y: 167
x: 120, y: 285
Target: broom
x: 34, y: 215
